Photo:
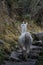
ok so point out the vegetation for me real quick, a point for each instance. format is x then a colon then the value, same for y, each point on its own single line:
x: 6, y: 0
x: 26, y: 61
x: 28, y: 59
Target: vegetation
x: 41, y: 59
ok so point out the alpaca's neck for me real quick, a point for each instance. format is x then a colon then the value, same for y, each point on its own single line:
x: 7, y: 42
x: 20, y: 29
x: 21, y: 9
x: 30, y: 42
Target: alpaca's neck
x: 23, y: 28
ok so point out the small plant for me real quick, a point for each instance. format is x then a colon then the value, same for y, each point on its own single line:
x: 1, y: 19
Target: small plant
x: 2, y: 55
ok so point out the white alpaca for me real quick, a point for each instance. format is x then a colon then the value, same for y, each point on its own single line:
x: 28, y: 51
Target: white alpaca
x: 25, y: 39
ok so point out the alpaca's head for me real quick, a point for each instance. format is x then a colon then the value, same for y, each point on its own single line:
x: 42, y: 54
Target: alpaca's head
x: 23, y: 27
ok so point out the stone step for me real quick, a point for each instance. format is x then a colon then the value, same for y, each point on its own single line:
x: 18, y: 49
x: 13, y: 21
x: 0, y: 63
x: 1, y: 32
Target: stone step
x: 36, y: 47
x: 28, y: 62
x: 35, y: 51
x: 33, y: 56
x: 38, y: 43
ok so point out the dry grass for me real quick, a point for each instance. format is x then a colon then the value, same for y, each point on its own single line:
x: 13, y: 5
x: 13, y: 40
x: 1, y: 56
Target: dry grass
x: 10, y: 29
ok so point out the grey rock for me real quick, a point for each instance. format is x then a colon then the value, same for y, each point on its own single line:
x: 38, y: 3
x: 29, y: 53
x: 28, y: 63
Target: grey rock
x: 1, y: 41
x: 14, y: 55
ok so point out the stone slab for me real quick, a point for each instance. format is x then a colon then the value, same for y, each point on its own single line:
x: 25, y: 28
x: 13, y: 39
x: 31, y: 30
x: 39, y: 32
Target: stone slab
x: 28, y: 62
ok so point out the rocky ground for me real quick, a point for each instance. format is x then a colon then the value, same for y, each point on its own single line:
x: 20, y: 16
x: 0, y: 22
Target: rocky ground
x: 34, y: 56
